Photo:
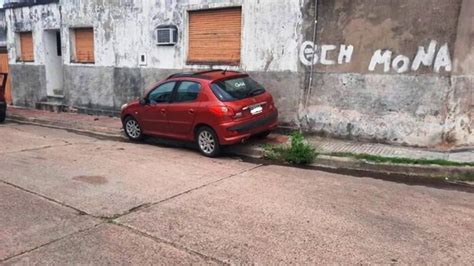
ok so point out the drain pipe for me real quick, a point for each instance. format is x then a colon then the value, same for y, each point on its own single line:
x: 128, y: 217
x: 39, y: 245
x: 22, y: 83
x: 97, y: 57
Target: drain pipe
x: 311, y: 77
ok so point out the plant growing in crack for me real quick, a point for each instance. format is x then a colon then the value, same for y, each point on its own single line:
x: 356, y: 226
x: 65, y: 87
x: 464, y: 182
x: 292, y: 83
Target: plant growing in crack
x: 298, y: 152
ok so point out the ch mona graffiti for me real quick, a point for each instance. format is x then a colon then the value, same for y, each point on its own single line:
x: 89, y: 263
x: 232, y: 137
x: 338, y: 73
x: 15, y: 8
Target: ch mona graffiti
x: 434, y: 56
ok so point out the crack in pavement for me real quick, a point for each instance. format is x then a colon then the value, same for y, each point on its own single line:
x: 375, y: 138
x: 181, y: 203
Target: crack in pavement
x: 112, y: 220
x: 163, y: 241
x: 79, y: 212
x: 49, y: 147
x: 51, y: 242
x: 151, y: 204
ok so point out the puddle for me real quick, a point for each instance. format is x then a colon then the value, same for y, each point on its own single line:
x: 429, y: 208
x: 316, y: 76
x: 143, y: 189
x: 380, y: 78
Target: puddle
x: 93, y: 180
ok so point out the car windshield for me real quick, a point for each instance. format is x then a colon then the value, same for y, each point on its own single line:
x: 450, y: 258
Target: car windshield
x: 236, y: 88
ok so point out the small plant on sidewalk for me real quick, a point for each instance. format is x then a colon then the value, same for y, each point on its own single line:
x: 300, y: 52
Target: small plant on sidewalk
x: 299, y: 151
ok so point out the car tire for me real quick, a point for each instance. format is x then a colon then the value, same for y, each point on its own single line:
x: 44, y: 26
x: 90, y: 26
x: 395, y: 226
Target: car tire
x: 263, y: 134
x: 3, y: 115
x: 132, y: 129
x: 208, y: 142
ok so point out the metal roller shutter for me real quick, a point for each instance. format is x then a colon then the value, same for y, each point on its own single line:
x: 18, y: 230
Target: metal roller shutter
x: 84, y: 45
x: 26, y: 47
x: 215, y: 36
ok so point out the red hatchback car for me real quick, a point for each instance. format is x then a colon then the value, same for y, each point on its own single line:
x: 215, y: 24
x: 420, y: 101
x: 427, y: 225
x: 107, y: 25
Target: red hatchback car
x: 3, y: 102
x: 212, y: 108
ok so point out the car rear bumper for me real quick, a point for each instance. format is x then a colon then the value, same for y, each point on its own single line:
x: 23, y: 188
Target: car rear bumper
x: 238, y: 132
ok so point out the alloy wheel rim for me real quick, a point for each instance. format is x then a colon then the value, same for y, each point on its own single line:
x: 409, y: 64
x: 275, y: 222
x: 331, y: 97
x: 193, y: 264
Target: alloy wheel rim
x: 206, y: 142
x: 133, y: 129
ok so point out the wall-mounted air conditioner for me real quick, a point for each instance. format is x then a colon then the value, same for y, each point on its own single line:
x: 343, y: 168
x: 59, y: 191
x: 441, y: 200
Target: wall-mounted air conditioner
x: 166, y: 35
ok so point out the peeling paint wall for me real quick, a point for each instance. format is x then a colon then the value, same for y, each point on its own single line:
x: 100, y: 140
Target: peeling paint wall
x: 125, y: 29
x: 390, y: 71
x: 459, y: 126
x: 399, y: 82
x: 28, y: 79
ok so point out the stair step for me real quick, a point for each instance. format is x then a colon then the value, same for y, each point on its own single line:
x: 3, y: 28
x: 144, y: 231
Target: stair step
x: 56, y: 107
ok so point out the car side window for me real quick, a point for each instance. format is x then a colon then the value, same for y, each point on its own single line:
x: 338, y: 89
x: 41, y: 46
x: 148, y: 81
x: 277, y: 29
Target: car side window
x: 187, y: 91
x: 162, y: 93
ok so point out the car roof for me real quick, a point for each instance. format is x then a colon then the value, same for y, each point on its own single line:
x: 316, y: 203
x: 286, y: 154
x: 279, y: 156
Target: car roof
x: 215, y: 74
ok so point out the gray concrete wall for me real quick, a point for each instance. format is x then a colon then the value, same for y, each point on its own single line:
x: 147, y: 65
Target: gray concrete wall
x: 404, y: 103
x: 29, y: 84
x: 106, y: 89
x: 3, y: 29
x: 460, y: 120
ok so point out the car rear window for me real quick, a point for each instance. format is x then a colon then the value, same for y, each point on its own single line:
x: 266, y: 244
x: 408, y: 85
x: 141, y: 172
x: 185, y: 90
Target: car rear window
x: 236, y: 88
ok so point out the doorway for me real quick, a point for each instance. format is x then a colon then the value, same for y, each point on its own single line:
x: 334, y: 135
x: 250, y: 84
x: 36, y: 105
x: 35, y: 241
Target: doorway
x: 53, y: 63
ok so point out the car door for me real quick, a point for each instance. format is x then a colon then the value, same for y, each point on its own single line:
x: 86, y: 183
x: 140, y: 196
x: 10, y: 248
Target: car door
x: 154, y: 116
x: 182, y: 109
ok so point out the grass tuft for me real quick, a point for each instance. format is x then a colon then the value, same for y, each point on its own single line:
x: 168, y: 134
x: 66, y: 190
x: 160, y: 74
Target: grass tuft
x: 299, y: 152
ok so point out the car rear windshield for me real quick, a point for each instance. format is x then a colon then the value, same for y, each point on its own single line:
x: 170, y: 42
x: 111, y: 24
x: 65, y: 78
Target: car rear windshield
x: 236, y: 88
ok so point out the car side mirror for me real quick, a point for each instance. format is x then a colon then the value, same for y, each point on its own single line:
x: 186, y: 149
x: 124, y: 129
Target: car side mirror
x: 142, y: 101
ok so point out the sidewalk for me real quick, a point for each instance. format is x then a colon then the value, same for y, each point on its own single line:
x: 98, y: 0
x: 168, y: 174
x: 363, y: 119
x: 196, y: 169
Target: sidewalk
x: 385, y: 150
x: 340, y: 154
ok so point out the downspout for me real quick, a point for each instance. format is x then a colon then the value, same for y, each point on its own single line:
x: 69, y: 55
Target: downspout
x: 311, y: 77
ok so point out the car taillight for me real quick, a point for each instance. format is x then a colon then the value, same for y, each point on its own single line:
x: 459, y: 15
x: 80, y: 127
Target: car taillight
x: 272, y: 104
x: 222, y: 111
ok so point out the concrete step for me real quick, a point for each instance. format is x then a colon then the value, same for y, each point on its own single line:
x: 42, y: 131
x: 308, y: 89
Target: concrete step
x: 56, y: 97
x: 51, y: 106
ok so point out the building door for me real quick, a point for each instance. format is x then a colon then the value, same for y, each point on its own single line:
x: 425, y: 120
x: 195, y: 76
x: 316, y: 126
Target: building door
x: 53, y: 63
x: 5, y: 69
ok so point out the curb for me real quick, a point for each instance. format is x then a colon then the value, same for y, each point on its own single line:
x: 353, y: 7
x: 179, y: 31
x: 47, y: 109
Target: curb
x: 58, y: 125
x: 427, y: 171
x: 326, y: 162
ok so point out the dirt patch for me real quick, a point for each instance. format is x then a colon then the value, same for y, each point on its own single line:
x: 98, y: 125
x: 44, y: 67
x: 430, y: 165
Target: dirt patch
x: 93, y: 180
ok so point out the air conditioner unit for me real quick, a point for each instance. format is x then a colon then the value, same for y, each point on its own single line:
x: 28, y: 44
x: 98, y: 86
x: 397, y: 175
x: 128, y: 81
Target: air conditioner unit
x: 166, y: 35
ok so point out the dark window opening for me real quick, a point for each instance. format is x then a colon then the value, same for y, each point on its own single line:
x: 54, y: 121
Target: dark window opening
x: 58, y: 43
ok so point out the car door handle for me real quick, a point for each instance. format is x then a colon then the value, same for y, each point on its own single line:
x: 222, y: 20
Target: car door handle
x: 163, y: 111
x: 191, y: 111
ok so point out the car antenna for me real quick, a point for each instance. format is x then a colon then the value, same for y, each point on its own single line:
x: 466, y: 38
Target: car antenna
x: 225, y: 70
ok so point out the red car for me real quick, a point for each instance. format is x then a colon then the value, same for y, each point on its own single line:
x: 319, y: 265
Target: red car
x: 212, y: 108
x: 3, y: 102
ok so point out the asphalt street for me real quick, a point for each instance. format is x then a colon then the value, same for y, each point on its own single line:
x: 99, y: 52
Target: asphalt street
x: 73, y: 199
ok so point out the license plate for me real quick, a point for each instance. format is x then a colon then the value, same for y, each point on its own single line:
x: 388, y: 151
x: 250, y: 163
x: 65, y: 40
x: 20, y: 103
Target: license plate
x: 254, y: 110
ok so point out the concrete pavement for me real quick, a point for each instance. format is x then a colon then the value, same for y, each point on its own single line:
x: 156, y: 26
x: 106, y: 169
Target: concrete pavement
x: 73, y: 199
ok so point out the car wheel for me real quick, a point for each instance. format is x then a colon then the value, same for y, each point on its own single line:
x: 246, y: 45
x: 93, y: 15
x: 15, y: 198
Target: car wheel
x: 132, y: 129
x: 2, y: 116
x: 207, y: 142
x: 263, y: 134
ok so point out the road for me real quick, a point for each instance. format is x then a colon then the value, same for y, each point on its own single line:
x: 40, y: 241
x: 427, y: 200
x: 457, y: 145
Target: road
x: 74, y: 199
